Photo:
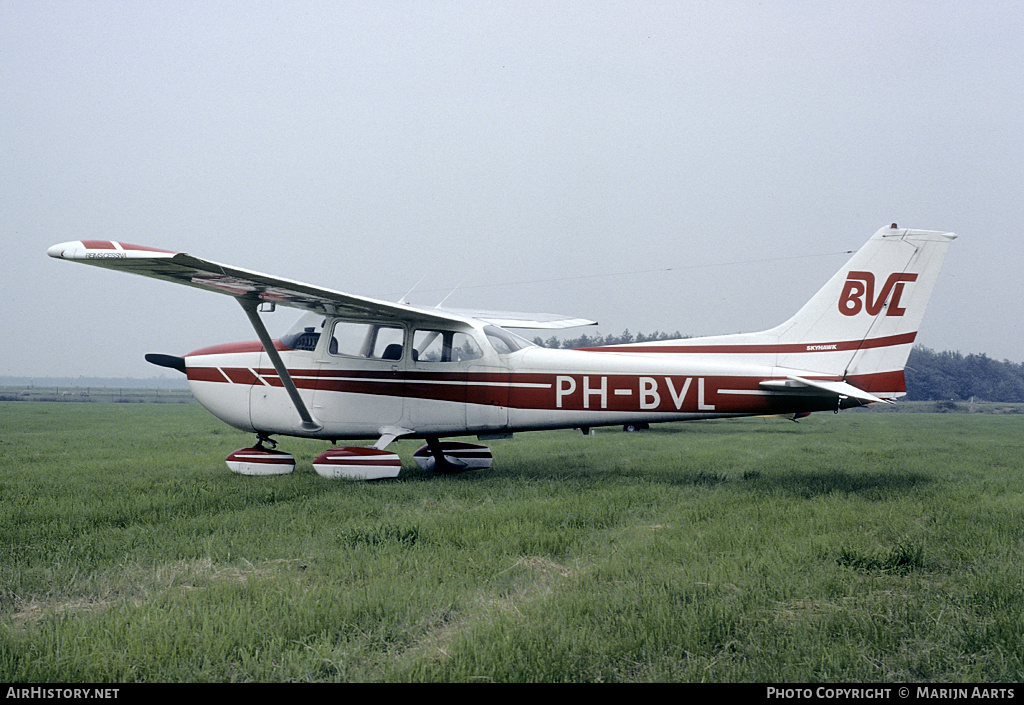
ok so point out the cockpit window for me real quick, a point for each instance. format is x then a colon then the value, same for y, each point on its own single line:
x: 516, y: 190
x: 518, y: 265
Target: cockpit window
x: 370, y: 340
x: 505, y: 342
x: 384, y: 342
x: 444, y: 346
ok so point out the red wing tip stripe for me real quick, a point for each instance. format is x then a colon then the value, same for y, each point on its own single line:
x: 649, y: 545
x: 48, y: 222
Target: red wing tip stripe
x: 122, y: 246
x: 142, y: 248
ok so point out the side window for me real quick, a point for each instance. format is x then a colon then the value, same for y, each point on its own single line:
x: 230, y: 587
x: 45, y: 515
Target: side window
x: 367, y: 340
x: 444, y: 346
x: 464, y: 348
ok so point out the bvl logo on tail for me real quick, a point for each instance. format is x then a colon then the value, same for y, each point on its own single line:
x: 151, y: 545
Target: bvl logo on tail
x: 862, y: 284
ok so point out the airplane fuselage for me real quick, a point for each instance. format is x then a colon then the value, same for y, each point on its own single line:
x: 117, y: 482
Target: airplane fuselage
x: 492, y: 390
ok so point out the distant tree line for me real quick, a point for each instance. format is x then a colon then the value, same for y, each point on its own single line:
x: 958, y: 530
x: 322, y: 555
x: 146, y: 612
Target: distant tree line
x: 590, y: 341
x: 940, y: 376
x: 930, y: 375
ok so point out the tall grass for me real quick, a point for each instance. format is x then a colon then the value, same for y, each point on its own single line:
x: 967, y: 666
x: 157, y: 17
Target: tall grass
x: 859, y: 547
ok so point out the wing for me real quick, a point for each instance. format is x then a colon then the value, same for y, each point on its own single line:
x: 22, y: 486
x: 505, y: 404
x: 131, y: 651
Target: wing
x: 183, y: 268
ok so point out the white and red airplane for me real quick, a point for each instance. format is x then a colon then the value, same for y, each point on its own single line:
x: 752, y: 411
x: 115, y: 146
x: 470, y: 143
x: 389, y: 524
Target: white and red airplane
x: 359, y: 368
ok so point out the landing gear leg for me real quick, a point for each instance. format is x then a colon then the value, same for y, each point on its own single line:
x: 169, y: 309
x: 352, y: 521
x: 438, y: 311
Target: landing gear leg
x: 441, y: 463
x: 263, y: 441
x: 452, y: 456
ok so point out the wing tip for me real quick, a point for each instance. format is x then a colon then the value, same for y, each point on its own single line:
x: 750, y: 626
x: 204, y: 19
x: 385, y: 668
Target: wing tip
x: 104, y: 249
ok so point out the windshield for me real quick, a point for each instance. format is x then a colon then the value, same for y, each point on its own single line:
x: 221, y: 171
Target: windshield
x: 305, y: 332
x: 505, y: 342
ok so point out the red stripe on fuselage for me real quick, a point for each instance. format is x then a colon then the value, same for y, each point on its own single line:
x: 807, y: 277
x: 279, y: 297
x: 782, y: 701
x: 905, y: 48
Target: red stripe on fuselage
x: 656, y: 393
x: 887, y: 341
x: 205, y: 374
x: 880, y: 382
x: 242, y: 375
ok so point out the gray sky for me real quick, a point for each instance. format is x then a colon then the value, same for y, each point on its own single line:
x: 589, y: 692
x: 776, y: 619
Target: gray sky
x: 691, y: 166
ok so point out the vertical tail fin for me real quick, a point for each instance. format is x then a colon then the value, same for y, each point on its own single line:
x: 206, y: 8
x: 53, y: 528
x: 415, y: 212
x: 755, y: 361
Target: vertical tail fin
x: 862, y: 324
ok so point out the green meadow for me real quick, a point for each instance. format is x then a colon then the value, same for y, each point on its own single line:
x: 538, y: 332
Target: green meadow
x: 858, y: 547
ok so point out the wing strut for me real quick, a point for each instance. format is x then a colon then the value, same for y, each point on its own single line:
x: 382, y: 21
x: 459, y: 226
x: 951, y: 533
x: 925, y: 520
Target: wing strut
x: 250, y: 306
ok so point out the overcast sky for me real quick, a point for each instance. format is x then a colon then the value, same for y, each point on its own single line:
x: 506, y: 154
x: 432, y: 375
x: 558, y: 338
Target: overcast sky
x: 691, y: 166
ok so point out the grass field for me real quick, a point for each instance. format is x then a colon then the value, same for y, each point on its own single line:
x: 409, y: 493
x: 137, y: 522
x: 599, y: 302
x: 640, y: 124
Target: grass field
x: 857, y: 547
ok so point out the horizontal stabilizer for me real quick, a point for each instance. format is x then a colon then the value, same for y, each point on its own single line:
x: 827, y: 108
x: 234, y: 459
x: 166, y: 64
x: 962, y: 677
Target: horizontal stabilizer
x: 841, y: 390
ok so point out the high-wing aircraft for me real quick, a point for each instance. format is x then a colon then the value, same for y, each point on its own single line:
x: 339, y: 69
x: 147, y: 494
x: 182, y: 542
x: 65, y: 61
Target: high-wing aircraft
x: 356, y: 368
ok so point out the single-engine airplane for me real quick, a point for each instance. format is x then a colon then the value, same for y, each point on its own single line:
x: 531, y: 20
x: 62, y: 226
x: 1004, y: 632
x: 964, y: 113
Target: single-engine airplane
x: 359, y: 368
